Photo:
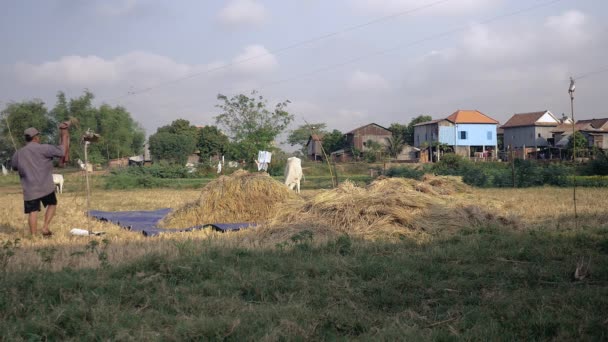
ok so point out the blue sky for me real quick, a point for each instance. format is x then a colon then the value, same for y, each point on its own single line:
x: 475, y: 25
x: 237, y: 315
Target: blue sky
x: 519, y: 63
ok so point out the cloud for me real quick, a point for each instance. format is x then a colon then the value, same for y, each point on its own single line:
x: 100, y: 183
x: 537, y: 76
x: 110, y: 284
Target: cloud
x: 141, y: 69
x: 68, y: 69
x: 255, y: 59
x: 570, y: 26
x: 243, y: 12
x: 366, y: 81
x: 447, y: 8
x: 506, y: 69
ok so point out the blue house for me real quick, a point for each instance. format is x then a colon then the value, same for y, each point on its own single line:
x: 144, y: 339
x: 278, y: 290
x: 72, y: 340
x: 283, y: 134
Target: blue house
x: 466, y: 132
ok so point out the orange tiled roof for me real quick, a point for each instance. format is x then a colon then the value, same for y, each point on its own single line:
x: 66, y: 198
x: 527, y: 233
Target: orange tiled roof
x: 470, y: 116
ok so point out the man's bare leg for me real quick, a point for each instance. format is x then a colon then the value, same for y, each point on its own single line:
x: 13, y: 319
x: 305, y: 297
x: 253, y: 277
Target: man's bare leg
x: 48, y: 216
x: 32, y: 220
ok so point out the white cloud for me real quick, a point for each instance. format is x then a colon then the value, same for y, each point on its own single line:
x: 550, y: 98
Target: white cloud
x: 69, y: 69
x: 367, y: 81
x: 243, y: 12
x: 255, y: 59
x: 506, y: 69
x: 139, y: 68
x: 447, y: 8
x: 570, y: 26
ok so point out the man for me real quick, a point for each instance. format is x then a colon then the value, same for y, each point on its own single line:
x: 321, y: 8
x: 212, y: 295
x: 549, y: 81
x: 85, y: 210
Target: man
x: 34, y: 162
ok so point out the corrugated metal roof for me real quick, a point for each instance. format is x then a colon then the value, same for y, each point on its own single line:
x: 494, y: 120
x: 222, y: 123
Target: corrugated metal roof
x: 528, y: 119
x: 358, y: 128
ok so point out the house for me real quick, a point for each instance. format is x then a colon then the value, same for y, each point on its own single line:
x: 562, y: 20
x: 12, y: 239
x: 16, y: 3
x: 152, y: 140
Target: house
x: 596, y: 132
x: 314, y: 147
x: 562, y: 133
x: 530, y: 131
x: 409, y: 153
x: 465, y: 132
x: 118, y: 162
x: 358, y: 137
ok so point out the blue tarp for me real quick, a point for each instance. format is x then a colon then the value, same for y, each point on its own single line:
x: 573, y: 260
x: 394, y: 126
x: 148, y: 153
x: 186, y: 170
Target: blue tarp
x: 146, y: 221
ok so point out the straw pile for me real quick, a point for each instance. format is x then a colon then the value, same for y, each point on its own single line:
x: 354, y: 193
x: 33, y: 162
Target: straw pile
x: 387, y: 208
x: 240, y: 197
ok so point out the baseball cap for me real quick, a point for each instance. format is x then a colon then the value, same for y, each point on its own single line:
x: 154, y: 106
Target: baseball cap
x: 31, y: 132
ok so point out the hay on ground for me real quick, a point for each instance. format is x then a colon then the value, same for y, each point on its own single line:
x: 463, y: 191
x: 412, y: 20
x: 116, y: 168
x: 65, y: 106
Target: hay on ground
x: 240, y: 197
x: 386, y: 209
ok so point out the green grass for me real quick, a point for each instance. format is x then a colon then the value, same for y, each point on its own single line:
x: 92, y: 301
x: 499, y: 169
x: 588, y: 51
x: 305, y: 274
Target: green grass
x: 478, y: 284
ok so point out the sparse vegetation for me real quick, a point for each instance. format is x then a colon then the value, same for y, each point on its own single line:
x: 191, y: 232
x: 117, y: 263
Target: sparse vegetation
x: 483, y: 280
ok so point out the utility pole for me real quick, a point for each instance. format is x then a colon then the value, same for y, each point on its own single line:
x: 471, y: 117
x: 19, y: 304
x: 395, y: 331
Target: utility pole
x: 571, y: 92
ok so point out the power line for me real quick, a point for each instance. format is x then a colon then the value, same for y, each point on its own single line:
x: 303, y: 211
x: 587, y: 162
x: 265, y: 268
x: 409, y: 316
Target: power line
x: 591, y: 73
x: 285, y: 48
x: 401, y: 46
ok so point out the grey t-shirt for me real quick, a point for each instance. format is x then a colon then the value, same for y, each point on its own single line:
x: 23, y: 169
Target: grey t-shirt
x: 34, y: 162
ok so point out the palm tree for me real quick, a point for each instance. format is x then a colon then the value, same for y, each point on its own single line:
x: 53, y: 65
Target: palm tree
x: 394, y: 145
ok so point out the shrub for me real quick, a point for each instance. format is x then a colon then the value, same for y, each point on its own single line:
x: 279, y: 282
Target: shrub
x: 405, y: 172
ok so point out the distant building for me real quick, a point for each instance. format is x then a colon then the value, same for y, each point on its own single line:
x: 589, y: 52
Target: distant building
x: 467, y: 132
x: 358, y: 137
x: 314, y: 147
x: 530, y: 130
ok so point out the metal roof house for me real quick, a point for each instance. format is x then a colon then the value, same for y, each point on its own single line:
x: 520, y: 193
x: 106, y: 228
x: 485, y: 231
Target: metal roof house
x: 530, y: 129
x: 465, y: 131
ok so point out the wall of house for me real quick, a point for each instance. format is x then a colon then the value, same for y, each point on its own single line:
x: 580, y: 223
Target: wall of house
x: 314, y: 148
x: 599, y: 140
x: 476, y: 135
x: 408, y: 153
x: 529, y: 136
x: 371, y: 132
x: 425, y: 134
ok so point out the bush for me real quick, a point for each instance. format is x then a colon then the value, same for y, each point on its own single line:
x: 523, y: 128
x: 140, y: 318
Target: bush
x: 160, y: 170
x: 405, y: 172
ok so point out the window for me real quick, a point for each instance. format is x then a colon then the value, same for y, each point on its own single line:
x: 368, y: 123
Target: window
x: 539, y: 135
x: 489, y: 135
x: 463, y: 135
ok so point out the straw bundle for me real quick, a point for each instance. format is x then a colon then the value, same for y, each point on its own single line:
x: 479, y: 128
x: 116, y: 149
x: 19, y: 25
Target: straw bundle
x: 240, y: 197
x: 387, y: 208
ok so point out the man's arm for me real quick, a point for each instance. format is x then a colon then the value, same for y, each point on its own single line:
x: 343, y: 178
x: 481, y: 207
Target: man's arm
x: 54, y: 151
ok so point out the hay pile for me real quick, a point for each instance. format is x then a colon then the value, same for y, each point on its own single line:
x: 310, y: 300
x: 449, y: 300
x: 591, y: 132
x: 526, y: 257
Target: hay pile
x: 240, y: 197
x: 387, y: 208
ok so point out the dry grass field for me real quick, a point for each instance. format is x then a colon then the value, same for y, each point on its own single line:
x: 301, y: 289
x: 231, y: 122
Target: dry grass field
x: 499, y: 267
x: 546, y: 208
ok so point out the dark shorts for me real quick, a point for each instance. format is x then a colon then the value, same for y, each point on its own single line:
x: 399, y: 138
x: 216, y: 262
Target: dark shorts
x: 34, y: 205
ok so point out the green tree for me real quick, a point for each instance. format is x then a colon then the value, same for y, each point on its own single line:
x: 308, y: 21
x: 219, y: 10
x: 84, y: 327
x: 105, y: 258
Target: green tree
x: 120, y: 134
x: 250, y: 124
x: 334, y: 141
x: 300, y: 135
x: 18, y: 116
x: 173, y: 148
x: 409, y: 137
x: 175, y: 142
x: 394, y: 145
x: 399, y: 130
x: 372, y: 150
x: 211, y: 142
x: 579, y: 141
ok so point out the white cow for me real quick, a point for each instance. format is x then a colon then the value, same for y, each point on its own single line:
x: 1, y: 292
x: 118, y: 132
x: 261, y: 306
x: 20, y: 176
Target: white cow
x: 293, y: 173
x: 58, y: 181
